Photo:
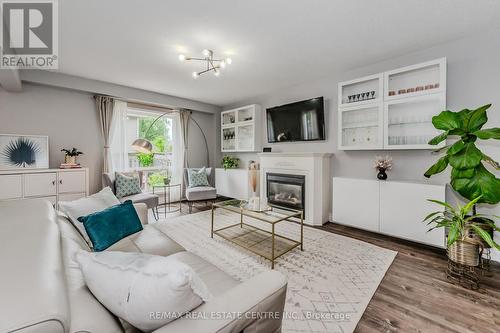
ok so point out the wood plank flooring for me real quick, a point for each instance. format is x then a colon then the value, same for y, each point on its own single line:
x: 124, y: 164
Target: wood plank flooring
x: 415, y: 296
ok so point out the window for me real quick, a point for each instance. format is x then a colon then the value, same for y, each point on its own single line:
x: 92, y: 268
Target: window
x: 164, y: 135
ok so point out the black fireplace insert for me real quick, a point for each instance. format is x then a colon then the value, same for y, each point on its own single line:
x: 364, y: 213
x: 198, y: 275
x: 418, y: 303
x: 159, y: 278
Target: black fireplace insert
x: 286, y: 191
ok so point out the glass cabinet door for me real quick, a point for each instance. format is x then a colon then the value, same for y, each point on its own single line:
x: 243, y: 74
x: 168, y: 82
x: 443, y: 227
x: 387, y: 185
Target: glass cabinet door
x: 228, y: 118
x: 409, y: 122
x: 361, y: 128
x: 228, y: 139
x: 245, y: 137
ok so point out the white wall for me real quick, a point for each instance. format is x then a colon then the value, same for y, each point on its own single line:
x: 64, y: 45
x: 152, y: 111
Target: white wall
x: 70, y: 119
x: 473, y: 80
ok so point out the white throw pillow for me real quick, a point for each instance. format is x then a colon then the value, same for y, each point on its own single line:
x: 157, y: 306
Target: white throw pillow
x: 88, y: 205
x: 137, y: 286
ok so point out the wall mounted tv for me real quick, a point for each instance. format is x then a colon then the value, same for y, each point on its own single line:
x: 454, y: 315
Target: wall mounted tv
x: 299, y: 121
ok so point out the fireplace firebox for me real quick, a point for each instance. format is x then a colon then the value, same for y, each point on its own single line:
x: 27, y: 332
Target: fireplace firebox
x: 286, y: 191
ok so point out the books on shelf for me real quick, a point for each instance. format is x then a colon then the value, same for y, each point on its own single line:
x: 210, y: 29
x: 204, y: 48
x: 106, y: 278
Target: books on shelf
x: 69, y: 166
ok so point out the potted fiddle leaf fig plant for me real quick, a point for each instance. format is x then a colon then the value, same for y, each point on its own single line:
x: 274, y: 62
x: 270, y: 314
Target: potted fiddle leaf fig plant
x: 470, y: 176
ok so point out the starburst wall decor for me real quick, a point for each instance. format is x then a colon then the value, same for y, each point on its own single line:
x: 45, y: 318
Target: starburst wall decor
x: 23, y: 152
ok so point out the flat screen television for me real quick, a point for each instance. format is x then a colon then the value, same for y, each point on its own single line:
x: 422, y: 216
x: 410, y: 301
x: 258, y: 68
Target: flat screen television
x: 299, y: 121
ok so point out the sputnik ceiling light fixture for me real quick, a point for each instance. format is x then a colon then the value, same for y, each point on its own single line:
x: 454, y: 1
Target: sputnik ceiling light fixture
x: 214, y: 65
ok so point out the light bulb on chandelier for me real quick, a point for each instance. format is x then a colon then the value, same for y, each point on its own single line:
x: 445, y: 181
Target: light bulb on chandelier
x: 211, y: 63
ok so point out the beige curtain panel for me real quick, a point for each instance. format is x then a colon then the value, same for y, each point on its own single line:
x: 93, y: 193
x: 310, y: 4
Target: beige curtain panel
x: 185, y: 115
x: 104, y: 106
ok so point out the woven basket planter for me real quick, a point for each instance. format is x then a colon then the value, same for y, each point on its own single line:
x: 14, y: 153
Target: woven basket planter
x: 464, y: 253
x: 70, y: 159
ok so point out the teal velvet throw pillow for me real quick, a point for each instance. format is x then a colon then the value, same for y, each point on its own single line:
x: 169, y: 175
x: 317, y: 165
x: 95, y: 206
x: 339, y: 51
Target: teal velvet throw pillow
x: 197, y: 177
x: 112, y: 224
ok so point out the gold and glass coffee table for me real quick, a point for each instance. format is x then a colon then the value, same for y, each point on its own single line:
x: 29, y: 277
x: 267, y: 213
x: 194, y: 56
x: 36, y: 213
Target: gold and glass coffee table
x: 265, y: 243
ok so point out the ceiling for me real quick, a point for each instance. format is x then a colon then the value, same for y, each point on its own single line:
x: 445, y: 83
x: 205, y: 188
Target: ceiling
x: 273, y: 43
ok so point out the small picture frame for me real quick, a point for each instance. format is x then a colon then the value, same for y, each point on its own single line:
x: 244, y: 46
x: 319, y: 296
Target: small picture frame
x: 19, y: 152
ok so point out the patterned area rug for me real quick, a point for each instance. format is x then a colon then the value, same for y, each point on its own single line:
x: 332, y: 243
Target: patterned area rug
x: 330, y: 283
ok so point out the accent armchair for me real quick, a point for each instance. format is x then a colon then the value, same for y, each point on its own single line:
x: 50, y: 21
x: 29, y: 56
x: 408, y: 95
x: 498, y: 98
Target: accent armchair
x: 151, y: 200
x: 199, y: 193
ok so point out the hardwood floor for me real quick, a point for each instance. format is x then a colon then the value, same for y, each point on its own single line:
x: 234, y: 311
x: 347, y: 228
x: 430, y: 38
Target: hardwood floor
x: 415, y: 296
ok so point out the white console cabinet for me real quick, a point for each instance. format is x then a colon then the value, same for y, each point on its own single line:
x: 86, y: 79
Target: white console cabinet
x: 234, y: 183
x: 52, y: 184
x: 388, y: 207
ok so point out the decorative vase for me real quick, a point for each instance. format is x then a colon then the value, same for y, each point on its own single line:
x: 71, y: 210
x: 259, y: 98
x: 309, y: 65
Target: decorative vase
x: 69, y: 159
x: 381, y: 174
x: 464, y: 253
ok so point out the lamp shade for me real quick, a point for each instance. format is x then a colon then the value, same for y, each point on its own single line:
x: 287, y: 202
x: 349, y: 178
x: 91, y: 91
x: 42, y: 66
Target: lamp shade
x: 142, y: 146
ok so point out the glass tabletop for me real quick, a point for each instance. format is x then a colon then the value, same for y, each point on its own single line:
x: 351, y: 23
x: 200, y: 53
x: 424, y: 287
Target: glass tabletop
x: 164, y: 185
x: 266, y: 213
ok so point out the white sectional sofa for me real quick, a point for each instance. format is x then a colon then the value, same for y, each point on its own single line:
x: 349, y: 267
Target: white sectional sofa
x: 42, y: 288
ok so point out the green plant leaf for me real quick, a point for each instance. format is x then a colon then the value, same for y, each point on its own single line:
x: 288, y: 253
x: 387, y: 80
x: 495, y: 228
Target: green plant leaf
x: 431, y: 215
x: 477, y: 118
x: 482, y: 183
x: 447, y: 120
x: 438, y: 139
x: 456, y: 147
x: 438, y: 167
x: 485, y: 236
x: 467, y: 173
x: 490, y: 133
x: 467, y: 158
x: 445, y: 204
x: 465, y: 209
x: 453, y: 234
x: 491, y: 162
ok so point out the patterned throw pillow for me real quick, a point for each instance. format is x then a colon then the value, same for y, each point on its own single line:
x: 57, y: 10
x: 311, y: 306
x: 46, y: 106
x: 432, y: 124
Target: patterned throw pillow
x: 127, y: 185
x: 197, y: 177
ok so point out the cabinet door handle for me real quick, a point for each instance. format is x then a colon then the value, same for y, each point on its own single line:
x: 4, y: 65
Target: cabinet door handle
x: 54, y: 182
x: 60, y: 181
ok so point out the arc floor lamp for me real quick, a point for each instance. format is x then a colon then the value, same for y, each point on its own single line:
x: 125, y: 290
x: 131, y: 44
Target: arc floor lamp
x: 143, y: 145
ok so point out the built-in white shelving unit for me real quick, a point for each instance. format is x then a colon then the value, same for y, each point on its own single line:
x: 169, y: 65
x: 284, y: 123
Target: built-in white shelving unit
x: 392, y: 110
x: 240, y: 130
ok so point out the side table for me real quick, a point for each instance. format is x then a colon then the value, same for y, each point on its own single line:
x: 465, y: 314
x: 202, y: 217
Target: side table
x: 168, y: 207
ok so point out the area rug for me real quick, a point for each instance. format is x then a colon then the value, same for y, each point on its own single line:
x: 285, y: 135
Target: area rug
x: 330, y: 283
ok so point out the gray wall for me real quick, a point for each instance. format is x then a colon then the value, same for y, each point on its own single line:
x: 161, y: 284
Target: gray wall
x: 473, y: 80
x: 70, y: 119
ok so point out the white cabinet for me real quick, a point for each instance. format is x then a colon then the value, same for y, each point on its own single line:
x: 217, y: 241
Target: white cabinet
x: 241, y: 129
x: 392, y: 208
x: 403, y: 206
x: 40, y: 184
x: 234, y: 183
x: 355, y: 203
x: 11, y: 187
x: 392, y: 110
x: 51, y: 184
x: 72, y: 182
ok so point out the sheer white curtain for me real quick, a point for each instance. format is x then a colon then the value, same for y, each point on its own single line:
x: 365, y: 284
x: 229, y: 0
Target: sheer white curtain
x: 119, y: 149
x: 177, y: 154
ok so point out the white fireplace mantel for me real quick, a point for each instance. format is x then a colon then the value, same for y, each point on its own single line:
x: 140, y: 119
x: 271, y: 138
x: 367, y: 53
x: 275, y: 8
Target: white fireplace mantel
x: 316, y: 169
